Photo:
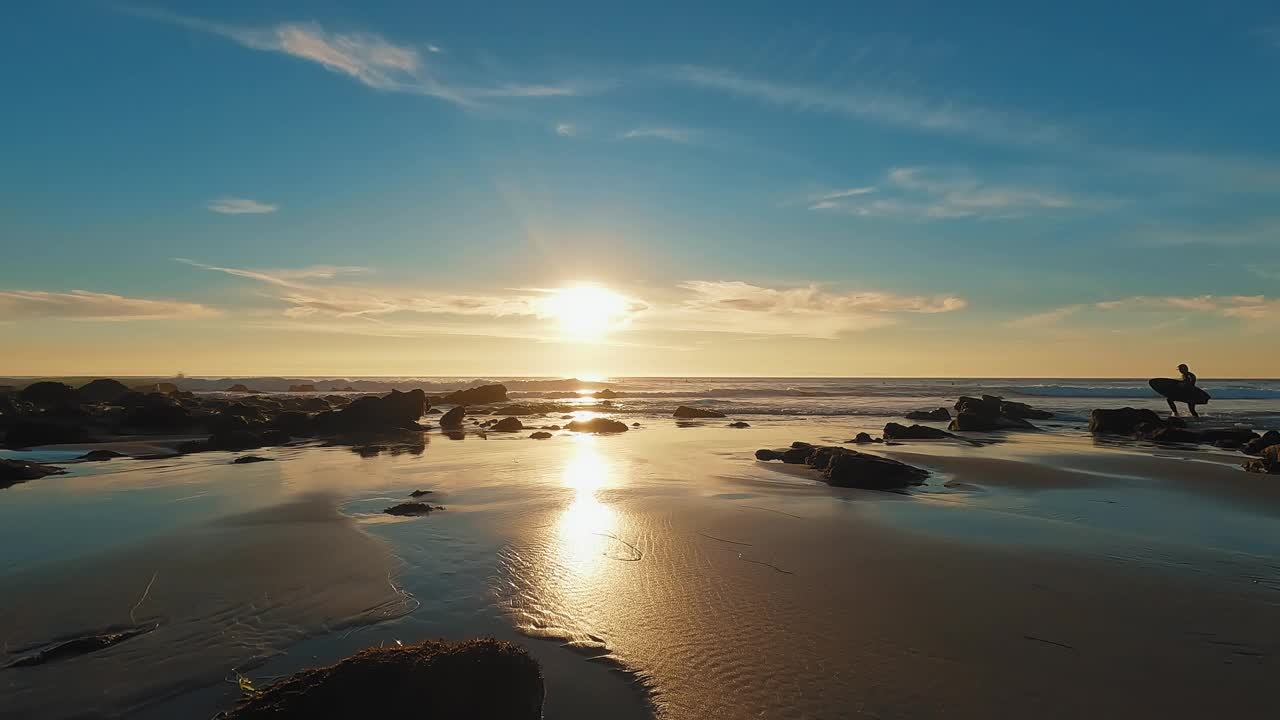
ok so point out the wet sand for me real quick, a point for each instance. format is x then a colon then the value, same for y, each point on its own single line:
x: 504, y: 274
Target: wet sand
x: 1042, y: 576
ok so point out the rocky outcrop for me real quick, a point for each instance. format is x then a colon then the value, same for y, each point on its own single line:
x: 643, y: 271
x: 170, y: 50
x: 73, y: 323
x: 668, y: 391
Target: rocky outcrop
x: 1268, y: 438
x: 1121, y: 421
x: 863, y: 438
x: 102, y: 390
x: 1268, y: 463
x: 164, y: 388
x: 452, y: 420
x: 412, y: 508
x: 684, y: 412
x: 49, y: 394
x: 541, y: 435
x: 33, y: 432
x: 939, y: 415
x: 597, y: 425
x: 13, y: 472
x: 508, y: 424
x: 605, y: 394
x: 894, y: 431
x: 739, y: 424
x: 303, y: 388
x: 434, y: 679
x: 239, y: 388
x: 397, y: 410
x: 249, y: 460
x: 158, y: 413
x: 842, y: 467
x: 482, y: 395
x: 988, y: 413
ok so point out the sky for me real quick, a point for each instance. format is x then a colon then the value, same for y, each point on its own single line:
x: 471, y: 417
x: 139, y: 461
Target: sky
x: 580, y: 188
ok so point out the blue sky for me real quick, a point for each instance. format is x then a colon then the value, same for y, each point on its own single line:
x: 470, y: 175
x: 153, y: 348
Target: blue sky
x: 934, y: 189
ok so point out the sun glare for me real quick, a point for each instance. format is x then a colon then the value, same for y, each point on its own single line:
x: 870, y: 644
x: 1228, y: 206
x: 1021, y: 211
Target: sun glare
x: 586, y: 312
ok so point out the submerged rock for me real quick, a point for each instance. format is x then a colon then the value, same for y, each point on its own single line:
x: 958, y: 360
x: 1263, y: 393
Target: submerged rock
x: 100, y: 455
x: 508, y: 424
x: 685, y: 412
x: 1268, y: 463
x: 13, y: 472
x: 484, y: 678
x: 739, y: 424
x: 894, y: 431
x: 863, y: 438
x: 843, y: 467
x: 412, y: 508
x: 78, y: 646
x: 540, y: 435
x: 420, y: 493
x: 250, y: 459
x: 597, y: 425
x: 939, y: 415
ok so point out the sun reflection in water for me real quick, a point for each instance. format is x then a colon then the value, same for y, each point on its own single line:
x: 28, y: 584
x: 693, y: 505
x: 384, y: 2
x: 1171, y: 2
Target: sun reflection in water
x: 587, y: 525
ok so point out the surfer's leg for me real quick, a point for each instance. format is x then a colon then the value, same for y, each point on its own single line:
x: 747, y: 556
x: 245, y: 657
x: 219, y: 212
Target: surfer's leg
x: 1172, y: 408
x: 1192, y: 408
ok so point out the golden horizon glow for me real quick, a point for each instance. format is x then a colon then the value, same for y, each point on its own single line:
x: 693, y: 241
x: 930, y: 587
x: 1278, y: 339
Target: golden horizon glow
x: 586, y: 312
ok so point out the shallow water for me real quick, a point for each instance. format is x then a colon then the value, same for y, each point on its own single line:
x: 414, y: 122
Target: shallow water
x: 685, y: 579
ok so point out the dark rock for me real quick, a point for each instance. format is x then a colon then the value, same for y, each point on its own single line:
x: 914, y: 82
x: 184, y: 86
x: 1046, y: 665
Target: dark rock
x: 241, y: 410
x: 102, y: 391
x: 48, y: 394
x: 685, y: 412
x: 739, y: 424
x: 1269, y: 438
x: 482, y: 395
x: 849, y: 468
x: 864, y: 439
x: 975, y: 422
x: 411, y: 508
x: 296, y: 424
x: 635, y: 424
x: 605, y: 393
x: 160, y: 413
x: 434, y: 411
x: 894, y: 431
x: 549, y: 427
x: 479, y: 679
x: 313, y: 404
x: 13, y: 472
x: 419, y: 493
x: 541, y: 435
x: 597, y: 425
x: 275, y: 437
x: 790, y: 456
x: 30, y: 433
x: 1269, y: 462
x: 453, y: 418
x: 248, y: 459
x: 939, y: 415
x: 508, y: 424
x: 100, y: 455
x: 985, y: 405
x: 239, y: 388
x: 1121, y: 421
x: 79, y: 646
x: 1228, y: 437
x: 395, y: 410
x: 163, y: 388
x: 1023, y: 411
x: 303, y: 388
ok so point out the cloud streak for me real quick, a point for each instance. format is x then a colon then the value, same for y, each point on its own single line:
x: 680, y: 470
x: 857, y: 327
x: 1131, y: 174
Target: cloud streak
x: 670, y: 134
x: 241, y: 206
x: 368, y: 58
x: 94, y: 306
x: 939, y: 194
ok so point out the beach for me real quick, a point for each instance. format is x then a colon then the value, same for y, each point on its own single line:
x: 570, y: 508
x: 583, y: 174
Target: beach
x: 665, y: 571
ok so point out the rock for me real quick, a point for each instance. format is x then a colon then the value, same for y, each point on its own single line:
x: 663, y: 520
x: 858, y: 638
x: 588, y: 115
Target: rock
x: 275, y: 437
x: 303, y: 388
x: 597, y: 425
x: 372, y: 413
x: 790, y: 456
x: 685, y: 412
x: 30, y: 433
x: 541, y: 435
x: 606, y: 393
x: 739, y: 424
x: 161, y: 414
x: 1121, y: 421
x: 549, y: 427
x: 102, y: 390
x: 974, y: 422
x: 411, y: 508
x: 163, y: 388
x: 296, y: 424
x: 348, y: 388
x: 850, y: 468
x: 238, y: 388
x: 419, y: 493
x: 864, y: 439
x: 76, y: 647
x: 1023, y: 411
x: 894, y: 431
x: 248, y: 459
x: 939, y: 415
x: 1228, y: 437
x: 508, y: 424
x: 453, y: 418
x: 100, y: 455
x: 433, y: 411
x: 635, y: 424
x: 47, y: 394
x: 480, y: 679
x: 314, y: 404
x: 482, y: 395
x: 1269, y: 438
x: 1269, y: 462
x: 13, y: 472
x: 234, y: 440
x: 248, y: 412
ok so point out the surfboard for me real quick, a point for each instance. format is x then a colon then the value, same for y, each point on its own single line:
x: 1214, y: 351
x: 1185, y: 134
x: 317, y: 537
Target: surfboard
x: 1173, y: 389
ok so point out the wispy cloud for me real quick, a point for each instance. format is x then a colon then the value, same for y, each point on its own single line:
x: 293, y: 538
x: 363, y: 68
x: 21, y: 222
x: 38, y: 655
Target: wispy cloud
x: 938, y: 194
x: 290, y: 278
x: 565, y: 129
x: 670, y: 134
x: 882, y: 107
x: 366, y: 57
x: 85, y: 305
x: 1249, y: 308
x: 1050, y: 318
x: 809, y: 311
x: 241, y: 206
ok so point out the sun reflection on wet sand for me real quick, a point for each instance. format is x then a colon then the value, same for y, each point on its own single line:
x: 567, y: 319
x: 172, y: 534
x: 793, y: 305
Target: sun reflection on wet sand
x: 587, y: 524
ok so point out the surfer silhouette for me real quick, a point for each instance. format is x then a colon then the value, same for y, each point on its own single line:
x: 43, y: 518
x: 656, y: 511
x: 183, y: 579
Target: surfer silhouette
x: 1181, y: 390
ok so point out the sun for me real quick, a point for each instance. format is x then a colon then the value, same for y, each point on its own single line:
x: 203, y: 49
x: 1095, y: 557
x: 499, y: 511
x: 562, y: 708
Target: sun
x: 586, y: 312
